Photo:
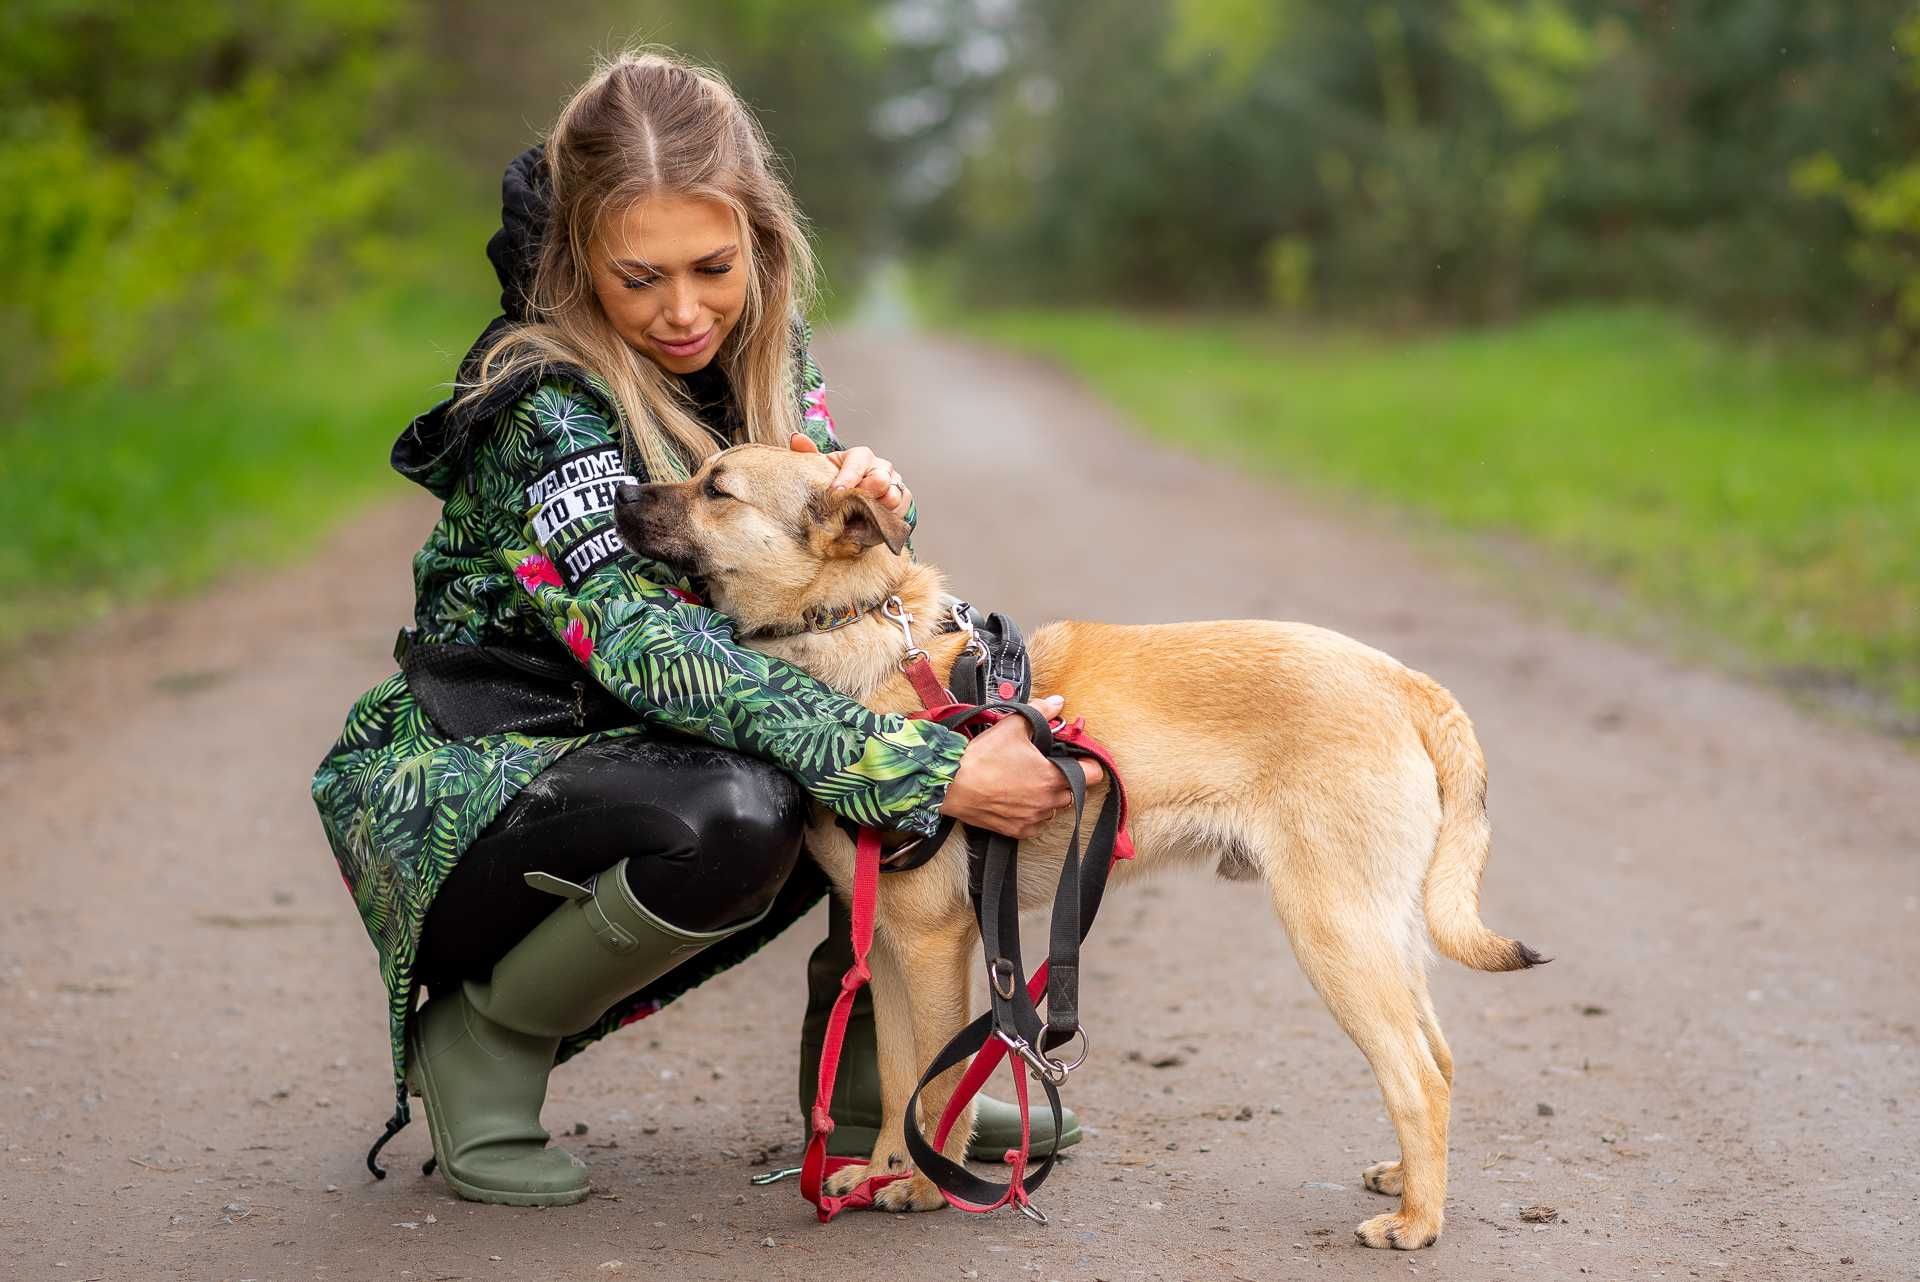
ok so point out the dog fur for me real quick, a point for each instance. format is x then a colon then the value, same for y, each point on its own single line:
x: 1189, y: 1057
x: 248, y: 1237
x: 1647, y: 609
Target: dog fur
x: 1351, y: 785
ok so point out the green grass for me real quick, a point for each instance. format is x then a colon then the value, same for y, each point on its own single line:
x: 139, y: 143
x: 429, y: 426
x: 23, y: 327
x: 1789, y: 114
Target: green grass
x: 1765, y: 494
x: 245, y: 454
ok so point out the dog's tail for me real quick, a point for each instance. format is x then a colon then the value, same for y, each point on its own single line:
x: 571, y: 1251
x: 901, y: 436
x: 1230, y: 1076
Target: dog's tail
x: 1452, y: 891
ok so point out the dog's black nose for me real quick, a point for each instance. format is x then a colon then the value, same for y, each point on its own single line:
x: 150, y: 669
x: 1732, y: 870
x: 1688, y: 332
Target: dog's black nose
x: 628, y: 493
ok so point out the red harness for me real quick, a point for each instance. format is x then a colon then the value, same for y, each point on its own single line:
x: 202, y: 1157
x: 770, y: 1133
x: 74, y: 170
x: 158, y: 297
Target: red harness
x: 817, y: 1166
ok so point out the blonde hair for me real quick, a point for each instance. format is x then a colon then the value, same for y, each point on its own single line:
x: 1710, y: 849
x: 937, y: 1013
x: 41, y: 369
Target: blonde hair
x: 648, y: 123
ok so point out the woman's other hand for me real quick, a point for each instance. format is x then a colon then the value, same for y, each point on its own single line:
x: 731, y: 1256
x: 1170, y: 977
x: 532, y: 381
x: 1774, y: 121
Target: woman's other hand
x: 1005, y: 785
x: 861, y: 469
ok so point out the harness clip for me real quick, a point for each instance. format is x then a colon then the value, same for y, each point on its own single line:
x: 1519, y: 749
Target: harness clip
x: 893, y: 608
x: 1034, y: 1059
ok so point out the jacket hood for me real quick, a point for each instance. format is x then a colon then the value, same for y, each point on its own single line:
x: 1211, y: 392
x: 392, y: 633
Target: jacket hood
x: 432, y: 451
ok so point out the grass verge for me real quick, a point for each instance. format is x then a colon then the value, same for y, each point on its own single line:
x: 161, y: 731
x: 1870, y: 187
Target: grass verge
x: 243, y: 455
x: 1766, y: 494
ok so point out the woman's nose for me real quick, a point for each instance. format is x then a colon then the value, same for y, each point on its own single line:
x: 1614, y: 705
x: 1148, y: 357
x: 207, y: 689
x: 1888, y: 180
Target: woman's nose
x: 683, y: 304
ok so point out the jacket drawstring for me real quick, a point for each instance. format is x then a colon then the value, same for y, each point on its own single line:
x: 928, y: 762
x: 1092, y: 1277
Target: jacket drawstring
x: 402, y: 1114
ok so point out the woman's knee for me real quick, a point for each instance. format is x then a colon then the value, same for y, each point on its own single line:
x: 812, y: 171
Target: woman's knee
x: 746, y: 825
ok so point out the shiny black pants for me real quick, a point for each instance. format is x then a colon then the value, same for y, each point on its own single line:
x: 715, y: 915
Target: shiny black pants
x: 709, y: 836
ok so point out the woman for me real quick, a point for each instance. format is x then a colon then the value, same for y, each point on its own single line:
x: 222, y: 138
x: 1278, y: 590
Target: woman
x: 580, y: 796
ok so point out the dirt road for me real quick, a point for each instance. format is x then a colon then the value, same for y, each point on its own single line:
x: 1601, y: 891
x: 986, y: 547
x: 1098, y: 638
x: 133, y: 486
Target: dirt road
x: 1716, y: 1078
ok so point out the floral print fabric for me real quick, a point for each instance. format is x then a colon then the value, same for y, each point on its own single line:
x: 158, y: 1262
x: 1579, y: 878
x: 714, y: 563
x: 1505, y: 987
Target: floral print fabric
x: 525, y: 547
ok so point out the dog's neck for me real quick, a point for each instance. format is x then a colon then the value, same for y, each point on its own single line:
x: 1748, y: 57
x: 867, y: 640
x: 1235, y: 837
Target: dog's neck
x: 862, y: 659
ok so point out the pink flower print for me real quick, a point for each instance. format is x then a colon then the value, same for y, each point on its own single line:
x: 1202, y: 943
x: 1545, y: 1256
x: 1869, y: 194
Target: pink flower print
x: 536, y: 572
x: 816, y: 411
x: 578, y: 641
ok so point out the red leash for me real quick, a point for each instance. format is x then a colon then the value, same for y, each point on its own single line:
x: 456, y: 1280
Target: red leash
x: 816, y: 1166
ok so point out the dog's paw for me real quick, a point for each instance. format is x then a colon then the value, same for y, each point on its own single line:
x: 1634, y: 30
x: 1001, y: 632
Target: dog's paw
x: 1397, y: 1232
x: 916, y: 1193
x: 1384, y: 1177
x: 845, y: 1180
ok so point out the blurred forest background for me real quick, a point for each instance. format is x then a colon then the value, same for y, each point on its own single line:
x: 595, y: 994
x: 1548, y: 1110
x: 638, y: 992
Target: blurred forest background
x: 1635, y: 280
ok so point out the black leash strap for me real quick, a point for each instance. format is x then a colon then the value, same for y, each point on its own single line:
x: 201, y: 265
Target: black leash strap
x: 1013, y: 1017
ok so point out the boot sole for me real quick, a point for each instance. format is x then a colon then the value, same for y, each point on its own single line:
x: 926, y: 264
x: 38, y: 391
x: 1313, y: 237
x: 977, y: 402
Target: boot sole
x: 417, y: 1082
x: 858, y: 1141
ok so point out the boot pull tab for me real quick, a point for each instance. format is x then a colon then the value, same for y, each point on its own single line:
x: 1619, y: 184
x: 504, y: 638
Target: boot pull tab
x: 552, y: 885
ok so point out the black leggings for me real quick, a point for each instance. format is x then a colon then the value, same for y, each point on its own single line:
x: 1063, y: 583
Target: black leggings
x: 709, y: 837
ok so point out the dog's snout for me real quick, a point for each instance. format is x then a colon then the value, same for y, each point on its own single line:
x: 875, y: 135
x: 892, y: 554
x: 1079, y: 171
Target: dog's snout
x: 627, y: 494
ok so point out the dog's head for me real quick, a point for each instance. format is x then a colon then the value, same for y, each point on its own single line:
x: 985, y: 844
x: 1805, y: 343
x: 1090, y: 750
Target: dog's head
x: 771, y: 540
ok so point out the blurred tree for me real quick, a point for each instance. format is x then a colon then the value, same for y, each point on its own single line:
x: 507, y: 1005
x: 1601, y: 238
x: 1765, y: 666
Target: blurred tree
x: 1886, y: 215
x: 167, y: 166
x: 1427, y: 158
x: 168, y: 170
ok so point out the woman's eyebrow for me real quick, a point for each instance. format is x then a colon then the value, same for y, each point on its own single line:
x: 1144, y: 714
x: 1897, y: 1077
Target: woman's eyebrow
x: 635, y: 265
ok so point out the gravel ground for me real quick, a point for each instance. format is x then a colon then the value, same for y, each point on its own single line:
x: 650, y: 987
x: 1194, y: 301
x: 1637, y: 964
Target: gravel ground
x: 1716, y: 1078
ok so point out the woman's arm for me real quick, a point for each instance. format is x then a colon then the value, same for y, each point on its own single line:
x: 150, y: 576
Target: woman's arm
x: 555, y: 462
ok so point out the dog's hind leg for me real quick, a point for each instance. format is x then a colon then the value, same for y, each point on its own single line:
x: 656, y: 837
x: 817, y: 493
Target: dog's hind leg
x: 1359, y: 965
x: 1385, y: 1177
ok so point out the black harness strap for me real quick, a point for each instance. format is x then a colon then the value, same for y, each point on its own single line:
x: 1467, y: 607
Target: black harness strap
x: 1013, y: 1016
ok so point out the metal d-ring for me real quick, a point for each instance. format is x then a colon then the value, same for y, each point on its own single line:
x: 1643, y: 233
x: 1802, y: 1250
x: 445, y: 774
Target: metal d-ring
x: 1032, y: 1212
x: 1086, y: 1047
x: 1004, y: 978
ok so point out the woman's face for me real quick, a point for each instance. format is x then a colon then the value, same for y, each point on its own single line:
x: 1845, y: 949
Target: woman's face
x: 671, y: 275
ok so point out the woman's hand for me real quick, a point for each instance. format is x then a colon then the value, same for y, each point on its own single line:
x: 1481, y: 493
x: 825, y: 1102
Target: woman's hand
x: 861, y: 469
x: 1004, y: 784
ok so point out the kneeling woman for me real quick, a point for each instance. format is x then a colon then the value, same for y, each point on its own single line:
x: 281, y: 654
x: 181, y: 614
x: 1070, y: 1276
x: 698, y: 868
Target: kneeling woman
x: 580, y: 797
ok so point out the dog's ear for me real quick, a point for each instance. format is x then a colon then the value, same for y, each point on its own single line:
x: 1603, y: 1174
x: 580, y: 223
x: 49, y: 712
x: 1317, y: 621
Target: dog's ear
x: 863, y: 523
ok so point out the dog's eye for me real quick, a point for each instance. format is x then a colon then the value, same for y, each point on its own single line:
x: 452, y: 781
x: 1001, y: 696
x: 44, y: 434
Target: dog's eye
x: 715, y: 492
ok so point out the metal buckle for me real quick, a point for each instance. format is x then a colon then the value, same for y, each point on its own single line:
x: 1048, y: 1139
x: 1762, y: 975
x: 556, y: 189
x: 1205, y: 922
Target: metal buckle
x: 1032, y: 1212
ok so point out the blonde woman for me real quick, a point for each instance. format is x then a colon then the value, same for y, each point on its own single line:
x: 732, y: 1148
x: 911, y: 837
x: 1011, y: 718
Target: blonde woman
x: 580, y: 796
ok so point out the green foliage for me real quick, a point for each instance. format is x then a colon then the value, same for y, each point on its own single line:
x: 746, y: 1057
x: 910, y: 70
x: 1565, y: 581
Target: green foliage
x: 168, y: 167
x: 1886, y: 214
x: 1765, y: 494
x: 116, y: 492
x: 1443, y: 159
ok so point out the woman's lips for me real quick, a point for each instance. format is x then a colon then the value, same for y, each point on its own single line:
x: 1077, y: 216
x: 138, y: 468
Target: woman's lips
x: 691, y: 347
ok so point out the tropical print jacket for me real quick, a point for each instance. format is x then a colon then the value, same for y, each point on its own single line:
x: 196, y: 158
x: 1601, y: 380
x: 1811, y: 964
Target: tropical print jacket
x: 525, y: 547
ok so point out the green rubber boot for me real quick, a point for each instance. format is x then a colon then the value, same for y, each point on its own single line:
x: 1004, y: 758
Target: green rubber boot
x: 479, y: 1055
x: 856, y: 1088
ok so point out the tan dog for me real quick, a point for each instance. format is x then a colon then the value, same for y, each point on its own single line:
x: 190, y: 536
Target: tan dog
x: 1349, y: 784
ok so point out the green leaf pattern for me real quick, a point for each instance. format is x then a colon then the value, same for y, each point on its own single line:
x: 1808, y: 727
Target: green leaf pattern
x: 400, y: 803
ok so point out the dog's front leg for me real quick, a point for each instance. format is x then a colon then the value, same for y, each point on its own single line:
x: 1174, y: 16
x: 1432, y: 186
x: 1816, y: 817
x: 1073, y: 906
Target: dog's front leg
x: 918, y: 1009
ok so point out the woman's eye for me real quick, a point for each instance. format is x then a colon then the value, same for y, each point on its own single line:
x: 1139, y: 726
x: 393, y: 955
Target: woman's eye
x: 634, y: 282
x: 717, y: 269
